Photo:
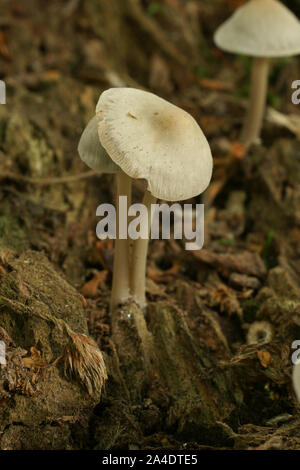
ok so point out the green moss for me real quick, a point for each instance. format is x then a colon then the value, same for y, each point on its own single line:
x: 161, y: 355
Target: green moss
x: 154, y: 8
x: 12, y: 236
x: 274, y: 100
x: 226, y: 241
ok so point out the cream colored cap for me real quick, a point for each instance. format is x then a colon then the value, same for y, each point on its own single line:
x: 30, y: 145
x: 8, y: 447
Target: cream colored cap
x: 91, y: 151
x: 260, y: 28
x: 153, y: 139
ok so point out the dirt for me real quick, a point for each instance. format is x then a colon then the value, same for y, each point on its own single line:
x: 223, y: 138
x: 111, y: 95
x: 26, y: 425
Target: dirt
x: 185, y: 375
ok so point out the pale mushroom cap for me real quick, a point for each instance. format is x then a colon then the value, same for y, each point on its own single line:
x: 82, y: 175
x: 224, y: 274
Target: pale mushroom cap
x: 260, y: 28
x: 91, y: 151
x: 152, y: 139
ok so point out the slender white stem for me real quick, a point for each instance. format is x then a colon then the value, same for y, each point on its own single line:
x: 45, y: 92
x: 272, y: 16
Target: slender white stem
x: 121, y: 274
x: 139, y: 259
x: 257, y: 103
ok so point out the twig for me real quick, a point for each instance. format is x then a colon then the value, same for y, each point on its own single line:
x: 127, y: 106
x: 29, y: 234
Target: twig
x: 157, y: 34
x: 47, y: 181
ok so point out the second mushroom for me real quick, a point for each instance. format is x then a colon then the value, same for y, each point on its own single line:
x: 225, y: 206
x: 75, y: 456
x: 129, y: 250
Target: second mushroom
x: 261, y: 29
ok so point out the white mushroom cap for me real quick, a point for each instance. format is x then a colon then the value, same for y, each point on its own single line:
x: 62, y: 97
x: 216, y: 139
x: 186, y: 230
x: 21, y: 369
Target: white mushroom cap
x: 152, y: 139
x: 91, y: 151
x: 260, y: 28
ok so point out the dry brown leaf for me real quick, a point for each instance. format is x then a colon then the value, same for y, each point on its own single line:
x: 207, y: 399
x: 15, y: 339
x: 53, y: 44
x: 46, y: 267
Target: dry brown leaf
x: 264, y: 358
x: 52, y: 75
x: 90, y: 289
x: 4, y: 52
x: 4, y: 256
x: 2, y: 271
x: 34, y: 361
x: 215, y: 85
x: 237, y: 151
x: 238, y: 261
x: 226, y: 299
x: 83, y: 300
x: 163, y: 276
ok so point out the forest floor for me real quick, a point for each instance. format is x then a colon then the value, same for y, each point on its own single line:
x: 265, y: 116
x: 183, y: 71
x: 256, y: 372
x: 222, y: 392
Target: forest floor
x: 221, y: 320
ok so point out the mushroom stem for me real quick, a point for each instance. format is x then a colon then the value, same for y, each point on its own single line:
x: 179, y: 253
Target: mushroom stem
x: 121, y: 277
x: 139, y: 259
x: 257, y: 103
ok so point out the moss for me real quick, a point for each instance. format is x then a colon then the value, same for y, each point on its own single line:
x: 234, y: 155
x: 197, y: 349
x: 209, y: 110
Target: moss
x: 226, y: 241
x: 12, y: 235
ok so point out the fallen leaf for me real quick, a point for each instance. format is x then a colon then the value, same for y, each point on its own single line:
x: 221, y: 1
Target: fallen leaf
x: 163, y: 276
x: 226, y: 299
x: 237, y: 151
x: 164, y: 441
x: 4, y: 256
x: 83, y: 300
x: 244, y: 262
x: 51, y: 76
x: 215, y: 85
x: 2, y: 271
x: 4, y: 52
x: 90, y: 289
x: 34, y: 361
x: 264, y: 358
x: 243, y: 281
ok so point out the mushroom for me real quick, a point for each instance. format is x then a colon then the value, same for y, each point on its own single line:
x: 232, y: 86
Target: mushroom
x: 152, y: 139
x: 261, y: 29
x: 94, y: 155
x: 91, y: 151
